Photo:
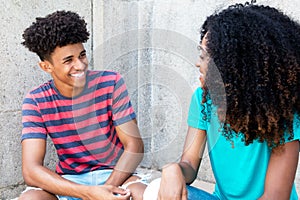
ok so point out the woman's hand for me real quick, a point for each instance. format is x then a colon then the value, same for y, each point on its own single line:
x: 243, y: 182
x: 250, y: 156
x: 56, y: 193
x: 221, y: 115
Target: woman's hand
x: 172, y: 185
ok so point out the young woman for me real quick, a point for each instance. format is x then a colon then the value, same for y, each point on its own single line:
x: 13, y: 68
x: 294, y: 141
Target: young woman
x: 250, y: 116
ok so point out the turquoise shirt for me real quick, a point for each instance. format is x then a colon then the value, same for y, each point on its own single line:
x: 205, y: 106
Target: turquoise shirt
x: 239, y: 170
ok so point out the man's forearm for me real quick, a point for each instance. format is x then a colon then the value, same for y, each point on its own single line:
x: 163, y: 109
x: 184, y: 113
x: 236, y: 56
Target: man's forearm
x: 48, y: 180
x: 124, y: 168
x: 129, y: 135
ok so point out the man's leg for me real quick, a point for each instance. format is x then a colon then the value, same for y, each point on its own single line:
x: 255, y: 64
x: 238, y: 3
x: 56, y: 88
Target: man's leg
x: 36, y: 194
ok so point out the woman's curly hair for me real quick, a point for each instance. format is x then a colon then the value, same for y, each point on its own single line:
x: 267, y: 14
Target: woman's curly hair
x: 256, y: 50
x: 57, y: 29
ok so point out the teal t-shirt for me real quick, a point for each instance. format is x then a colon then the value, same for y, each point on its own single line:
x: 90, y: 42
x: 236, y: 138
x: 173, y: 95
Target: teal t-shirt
x: 239, y: 170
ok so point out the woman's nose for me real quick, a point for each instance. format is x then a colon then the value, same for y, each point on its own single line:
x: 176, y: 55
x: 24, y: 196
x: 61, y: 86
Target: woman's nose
x: 198, y: 63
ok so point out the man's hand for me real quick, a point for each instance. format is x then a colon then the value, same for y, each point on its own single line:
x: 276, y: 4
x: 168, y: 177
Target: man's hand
x: 172, y: 185
x: 106, y: 192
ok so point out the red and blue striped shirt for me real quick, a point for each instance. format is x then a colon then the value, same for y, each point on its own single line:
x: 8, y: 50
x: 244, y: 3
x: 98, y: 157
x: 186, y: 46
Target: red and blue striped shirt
x: 82, y: 128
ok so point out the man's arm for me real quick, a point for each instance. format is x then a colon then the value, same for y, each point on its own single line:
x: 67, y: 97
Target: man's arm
x: 35, y: 174
x: 281, y: 172
x: 129, y: 135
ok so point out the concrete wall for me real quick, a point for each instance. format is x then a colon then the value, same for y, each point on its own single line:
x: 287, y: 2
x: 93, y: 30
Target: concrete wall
x: 152, y: 43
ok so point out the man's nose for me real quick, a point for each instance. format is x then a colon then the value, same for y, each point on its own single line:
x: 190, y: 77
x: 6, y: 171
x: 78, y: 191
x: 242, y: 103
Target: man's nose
x: 80, y: 64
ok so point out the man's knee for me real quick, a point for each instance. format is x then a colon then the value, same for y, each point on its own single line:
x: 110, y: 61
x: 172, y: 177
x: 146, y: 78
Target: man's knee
x: 36, y: 195
x: 136, y: 187
x: 137, y: 190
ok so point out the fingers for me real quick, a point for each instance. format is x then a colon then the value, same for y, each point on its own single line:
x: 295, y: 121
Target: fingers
x: 121, y: 191
x: 184, y: 194
x: 170, y: 198
x: 123, y: 197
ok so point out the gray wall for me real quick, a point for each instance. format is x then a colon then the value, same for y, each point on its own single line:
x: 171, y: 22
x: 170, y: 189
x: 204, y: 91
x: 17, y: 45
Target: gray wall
x: 152, y: 43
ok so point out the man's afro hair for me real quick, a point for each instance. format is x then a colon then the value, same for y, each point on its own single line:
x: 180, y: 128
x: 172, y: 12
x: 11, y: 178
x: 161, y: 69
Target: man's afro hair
x: 57, y: 29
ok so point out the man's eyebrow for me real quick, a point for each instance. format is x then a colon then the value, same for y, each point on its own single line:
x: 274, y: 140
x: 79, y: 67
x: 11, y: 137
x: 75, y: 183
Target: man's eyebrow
x: 71, y: 56
x: 67, y: 58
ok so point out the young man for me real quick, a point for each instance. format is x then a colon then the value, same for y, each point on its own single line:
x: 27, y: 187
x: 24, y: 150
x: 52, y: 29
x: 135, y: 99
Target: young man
x: 87, y: 114
x: 254, y: 145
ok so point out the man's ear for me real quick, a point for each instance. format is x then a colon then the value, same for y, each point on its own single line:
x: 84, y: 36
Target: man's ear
x: 46, y: 66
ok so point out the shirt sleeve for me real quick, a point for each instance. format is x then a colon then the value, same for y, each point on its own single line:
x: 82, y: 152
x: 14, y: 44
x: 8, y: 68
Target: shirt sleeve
x: 122, y: 109
x: 197, y: 111
x: 32, y: 121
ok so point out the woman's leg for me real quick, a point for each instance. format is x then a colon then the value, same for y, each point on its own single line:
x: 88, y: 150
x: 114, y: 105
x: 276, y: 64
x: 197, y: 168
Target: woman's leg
x: 198, y: 194
x: 151, y: 192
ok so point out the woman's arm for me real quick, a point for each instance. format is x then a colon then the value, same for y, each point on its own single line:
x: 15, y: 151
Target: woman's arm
x: 176, y: 175
x: 281, y: 172
x: 192, y: 154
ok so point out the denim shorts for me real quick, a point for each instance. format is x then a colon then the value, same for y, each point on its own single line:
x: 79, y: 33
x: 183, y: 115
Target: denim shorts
x: 97, y: 177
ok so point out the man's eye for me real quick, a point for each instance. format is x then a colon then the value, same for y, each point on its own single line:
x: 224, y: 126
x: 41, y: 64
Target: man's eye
x: 68, y: 61
x: 83, y: 55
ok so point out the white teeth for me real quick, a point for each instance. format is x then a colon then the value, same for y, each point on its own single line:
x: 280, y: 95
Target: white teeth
x: 77, y: 75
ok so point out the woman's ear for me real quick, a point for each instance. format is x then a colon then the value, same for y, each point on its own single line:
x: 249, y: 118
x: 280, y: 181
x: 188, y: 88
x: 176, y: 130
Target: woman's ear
x: 46, y: 66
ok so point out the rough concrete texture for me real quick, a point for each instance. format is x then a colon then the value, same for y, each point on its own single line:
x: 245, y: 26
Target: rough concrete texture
x: 152, y: 43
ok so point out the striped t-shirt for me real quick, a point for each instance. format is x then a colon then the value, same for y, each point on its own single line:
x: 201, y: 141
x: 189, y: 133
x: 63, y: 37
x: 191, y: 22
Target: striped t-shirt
x: 82, y: 128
